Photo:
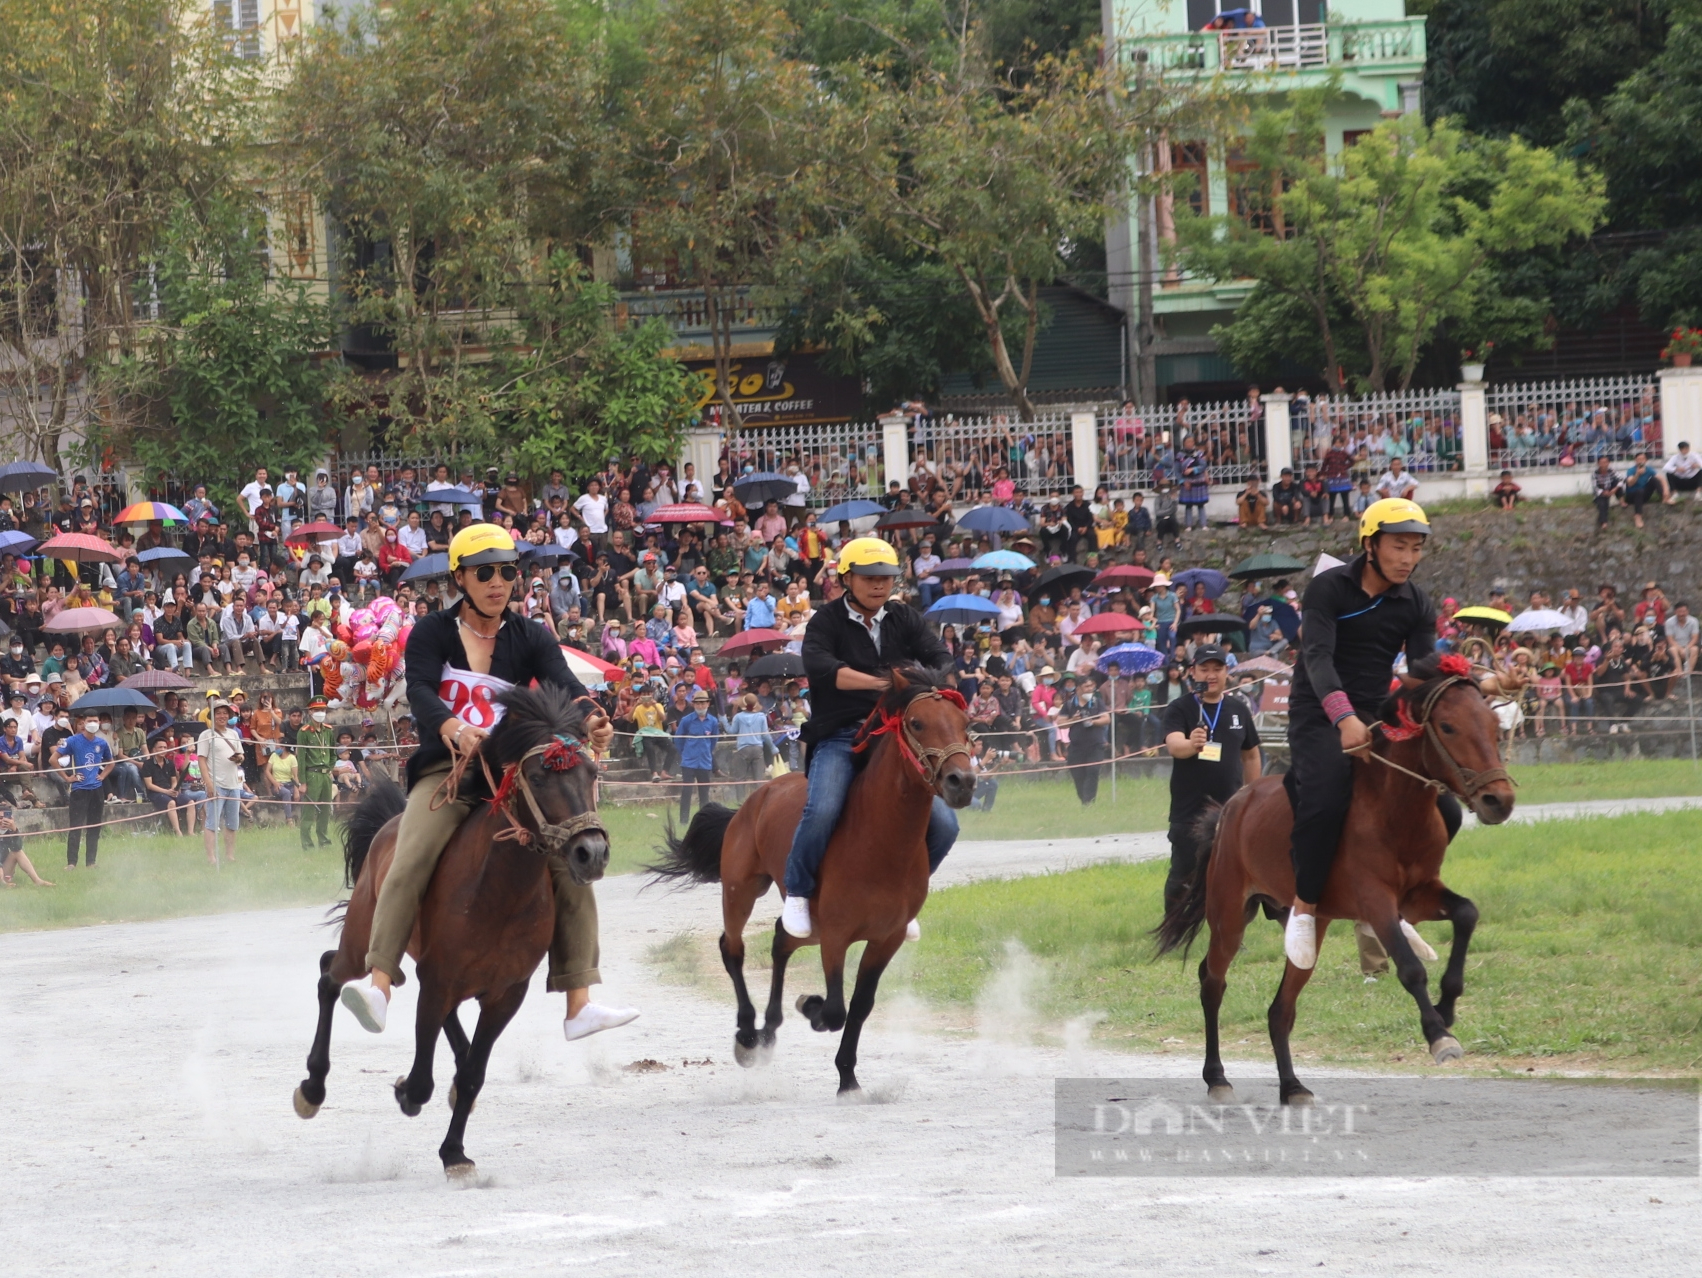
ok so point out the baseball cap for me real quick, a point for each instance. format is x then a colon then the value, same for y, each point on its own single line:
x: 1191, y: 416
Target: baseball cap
x: 1210, y: 652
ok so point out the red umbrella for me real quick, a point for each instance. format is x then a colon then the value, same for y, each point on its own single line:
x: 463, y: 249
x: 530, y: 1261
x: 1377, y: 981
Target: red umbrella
x: 70, y: 620
x: 319, y: 530
x: 1126, y: 575
x: 156, y: 681
x: 753, y: 639
x: 689, y: 512
x: 1108, y: 623
x: 80, y: 548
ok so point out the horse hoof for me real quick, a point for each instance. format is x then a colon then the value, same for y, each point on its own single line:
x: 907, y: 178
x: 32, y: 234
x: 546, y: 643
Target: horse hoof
x: 409, y: 1107
x: 1446, y: 1050
x: 1222, y: 1094
x: 1298, y: 1099
x: 460, y: 1172
x: 304, y: 1107
x: 801, y: 1000
x: 746, y: 1056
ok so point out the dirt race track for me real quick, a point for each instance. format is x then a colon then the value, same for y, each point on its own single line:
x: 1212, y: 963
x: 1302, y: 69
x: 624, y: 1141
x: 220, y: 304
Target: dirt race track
x: 149, y: 1130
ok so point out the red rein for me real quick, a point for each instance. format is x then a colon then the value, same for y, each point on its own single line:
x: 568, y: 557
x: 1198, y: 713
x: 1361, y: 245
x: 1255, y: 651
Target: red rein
x: 895, y: 723
x: 1451, y: 665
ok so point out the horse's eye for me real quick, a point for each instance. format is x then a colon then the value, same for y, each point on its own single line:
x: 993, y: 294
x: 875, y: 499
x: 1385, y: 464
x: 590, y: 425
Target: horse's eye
x: 1448, y: 728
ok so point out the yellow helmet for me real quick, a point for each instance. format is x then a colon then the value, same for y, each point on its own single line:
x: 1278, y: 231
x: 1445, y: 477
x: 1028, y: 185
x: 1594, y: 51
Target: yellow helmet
x: 481, y: 544
x: 1393, y: 515
x: 868, y: 557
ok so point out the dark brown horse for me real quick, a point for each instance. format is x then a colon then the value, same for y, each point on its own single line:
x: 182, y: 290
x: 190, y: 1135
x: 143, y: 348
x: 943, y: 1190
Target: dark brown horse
x: 1439, y: 736
x: 489, y: 913
x: 874, y: 877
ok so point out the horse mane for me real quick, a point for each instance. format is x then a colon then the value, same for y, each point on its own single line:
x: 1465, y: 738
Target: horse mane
x: 1398, y: 708
x: 535, y: 717
x: 895, y: 700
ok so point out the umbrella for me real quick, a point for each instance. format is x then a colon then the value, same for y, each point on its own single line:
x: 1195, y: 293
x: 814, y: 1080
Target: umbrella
x: 764, y: 486
x: 318, y: 530
x: 776, y: 665
x: 1214, y: 581
x: 993, y: 519
x: 911, y: 518
x: 689, y: 512
x: 427, y: 566
x: 193, y: 726
x: 165, y: 554
x: 112, y: 699
x: 1483, y: 615
x: 588, y: 669
x: 754, y: 638
x: 81, y: 548
x: 954, y: 568
x: 158, y: 680
x: 1004, y: 560
x: 1130, y: 659
x: 74, y: 619
x: 19, y: 476
x: 548, y: 550
x: 1532, y: 619
x: 17, y: 542
x: 144, y: 512
x: 1126, y: 575
x: 962, y: 610
x: 847, y: 510
x: 1263, y: 665
x: 1061, y: 577
x: 1108, y: 623
x: 1211, y: 623
x: 1266, y: 565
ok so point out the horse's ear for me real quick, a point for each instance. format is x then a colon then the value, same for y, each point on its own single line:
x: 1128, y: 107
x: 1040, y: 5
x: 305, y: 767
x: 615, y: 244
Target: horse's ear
x: 899, y: 682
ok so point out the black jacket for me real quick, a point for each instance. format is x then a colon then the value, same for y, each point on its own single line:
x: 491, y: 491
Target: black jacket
x: 1349, y: 641
x: 525, y: 651
x: 833, y: 641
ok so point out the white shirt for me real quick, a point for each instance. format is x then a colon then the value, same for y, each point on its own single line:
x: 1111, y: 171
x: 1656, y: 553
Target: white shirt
x: 797, y: 498
x: 215, y: 749
x: 313, y: 642
x: 1397, y: 485
x: 446, y: 508
x: 871, y: 624
x: 1684, y: 465
x: 1577, y: 618
x: 251, y: 497
x: 594, y: 511
x: 413, y: 538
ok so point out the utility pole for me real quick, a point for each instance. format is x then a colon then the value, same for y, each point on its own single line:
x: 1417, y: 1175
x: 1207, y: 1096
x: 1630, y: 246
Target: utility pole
x: 1146, y: 366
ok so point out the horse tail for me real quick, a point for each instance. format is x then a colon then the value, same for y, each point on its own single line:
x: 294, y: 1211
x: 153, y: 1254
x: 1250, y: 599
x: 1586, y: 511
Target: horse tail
x: 384, y: 800
x: 1183, y: 920
x: 696, y: 854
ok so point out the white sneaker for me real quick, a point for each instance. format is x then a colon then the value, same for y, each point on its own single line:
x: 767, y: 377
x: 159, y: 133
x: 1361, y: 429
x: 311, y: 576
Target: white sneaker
x: 594, y: 1018
x: 1300, y: 940
x: 368, y: 1003
x: 1420, y: 946
x: 795, y: 916
x: 913, y: 931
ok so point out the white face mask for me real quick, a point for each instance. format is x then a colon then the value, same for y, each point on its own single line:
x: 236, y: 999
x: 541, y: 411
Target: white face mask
x: 64, y: 721
x: 17, y: 650
x: 319, y: 716
x: 92, y: 726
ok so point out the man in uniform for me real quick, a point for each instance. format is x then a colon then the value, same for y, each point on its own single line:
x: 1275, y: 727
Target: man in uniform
x: 316, y: 751
x: 1215, y: 748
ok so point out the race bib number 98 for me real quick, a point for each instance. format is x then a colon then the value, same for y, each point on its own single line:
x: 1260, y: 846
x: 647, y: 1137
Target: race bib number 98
x: 471, y: 697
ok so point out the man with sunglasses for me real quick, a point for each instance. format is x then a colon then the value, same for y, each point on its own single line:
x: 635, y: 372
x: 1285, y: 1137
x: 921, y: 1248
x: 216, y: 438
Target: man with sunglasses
x: 459, y: 660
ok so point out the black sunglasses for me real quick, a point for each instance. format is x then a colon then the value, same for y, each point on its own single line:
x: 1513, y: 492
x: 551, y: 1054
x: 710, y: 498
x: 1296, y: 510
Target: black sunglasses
x: 484, y: 572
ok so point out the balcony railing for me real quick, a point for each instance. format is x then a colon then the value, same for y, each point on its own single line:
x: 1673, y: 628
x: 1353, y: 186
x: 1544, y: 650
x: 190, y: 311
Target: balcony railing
x: 1285, y: 48
x: 686, y: 311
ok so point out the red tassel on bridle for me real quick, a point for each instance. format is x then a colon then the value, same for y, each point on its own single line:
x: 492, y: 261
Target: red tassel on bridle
x: 1408, y: 726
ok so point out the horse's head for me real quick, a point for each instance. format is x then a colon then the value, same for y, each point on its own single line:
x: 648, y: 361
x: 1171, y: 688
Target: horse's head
x: 1460, y: 744
x: 542, y: 739
x: 933, y: 729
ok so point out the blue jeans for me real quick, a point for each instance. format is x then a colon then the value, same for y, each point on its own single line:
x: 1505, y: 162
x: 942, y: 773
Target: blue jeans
x: 831, y: 771
x: 224, y: 809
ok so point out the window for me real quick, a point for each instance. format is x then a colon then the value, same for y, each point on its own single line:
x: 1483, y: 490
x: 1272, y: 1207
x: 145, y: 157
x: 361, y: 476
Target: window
x: 1190, y: 158
x: 242, y: 19
x: 1252, y: 197
x: 1352, y: 136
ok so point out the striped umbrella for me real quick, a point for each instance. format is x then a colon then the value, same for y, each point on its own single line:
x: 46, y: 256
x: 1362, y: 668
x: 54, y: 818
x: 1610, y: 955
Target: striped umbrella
x: 145, y: 512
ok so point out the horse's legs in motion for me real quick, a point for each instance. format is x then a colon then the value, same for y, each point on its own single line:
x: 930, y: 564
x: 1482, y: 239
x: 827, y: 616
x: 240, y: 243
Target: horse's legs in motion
x: 415, y: 1089
x: 744, y: 1039
x: 1433, y: 901
x: 1214, y: 978
x: 828, y: 1014
x: 457, y: 1036
x: 1281, y: 1021
x: 494, y: 1015
x: 876, y: 955
x: 1443, y: 1046
x: 311, y: 1094
x: 784, y: 944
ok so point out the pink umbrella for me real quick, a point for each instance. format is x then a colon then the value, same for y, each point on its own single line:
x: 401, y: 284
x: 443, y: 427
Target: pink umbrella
x: 74, y: 619
x: 689, y: 512
x: 1108, y: 623
x: 753, y: 639
x: 80, y: 548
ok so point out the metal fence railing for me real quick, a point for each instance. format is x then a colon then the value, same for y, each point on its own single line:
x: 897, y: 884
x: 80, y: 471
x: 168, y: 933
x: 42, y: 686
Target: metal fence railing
x: 1540, y: 425
x: 1137, y: 446
x: 1420, y: 427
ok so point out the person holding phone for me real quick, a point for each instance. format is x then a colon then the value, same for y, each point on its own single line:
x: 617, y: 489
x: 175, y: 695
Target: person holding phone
x: 1215, y: 750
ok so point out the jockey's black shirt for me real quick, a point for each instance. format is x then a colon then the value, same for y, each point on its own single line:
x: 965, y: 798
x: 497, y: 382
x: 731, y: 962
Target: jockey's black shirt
x: 1349, y: 640
x: 833, y: 641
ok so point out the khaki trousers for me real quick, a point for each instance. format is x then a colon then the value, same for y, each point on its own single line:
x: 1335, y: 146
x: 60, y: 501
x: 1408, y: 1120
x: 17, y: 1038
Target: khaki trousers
x: 420, y: 842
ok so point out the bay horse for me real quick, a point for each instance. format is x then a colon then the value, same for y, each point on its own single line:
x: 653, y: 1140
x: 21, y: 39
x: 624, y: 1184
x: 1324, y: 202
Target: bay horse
x: 489, y: 913
x: 874, y: 876
x: 1439, y: 737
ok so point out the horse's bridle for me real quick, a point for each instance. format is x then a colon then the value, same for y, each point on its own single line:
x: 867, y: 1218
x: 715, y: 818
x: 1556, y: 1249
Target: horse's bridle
x: 560, y: 754
x: 1465, y: 783
x: 929, y: 761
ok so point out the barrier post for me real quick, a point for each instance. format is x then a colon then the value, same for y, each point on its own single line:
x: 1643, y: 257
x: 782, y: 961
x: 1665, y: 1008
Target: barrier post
x: 1279, y: 437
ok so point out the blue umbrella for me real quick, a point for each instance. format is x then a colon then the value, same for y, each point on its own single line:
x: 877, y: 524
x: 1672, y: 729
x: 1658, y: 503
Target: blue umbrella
x: 17, y: 542
x: 161, y: 554
x: 1007, y: 560
x: 763, y: 486
x: 112, y: 699
x: 848, y: 510
x: 993, y: 519
x: 427, y: 566
x: 549, y: 550
x: 1215, y: 582
x: 962, y: 610
x: 1130, y: 659
x: 453, y: 497
x: 19, y: 476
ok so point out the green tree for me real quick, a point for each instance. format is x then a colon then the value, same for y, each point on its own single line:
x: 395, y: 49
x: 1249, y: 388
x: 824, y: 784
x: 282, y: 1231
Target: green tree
x: 1402, y: 230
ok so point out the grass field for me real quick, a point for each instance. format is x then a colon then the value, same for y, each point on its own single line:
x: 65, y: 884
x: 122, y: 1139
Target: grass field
x: 1589, y: 956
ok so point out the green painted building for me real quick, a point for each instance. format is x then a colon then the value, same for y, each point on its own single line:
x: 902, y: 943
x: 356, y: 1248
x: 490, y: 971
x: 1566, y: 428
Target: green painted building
x: 1375, y: 51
